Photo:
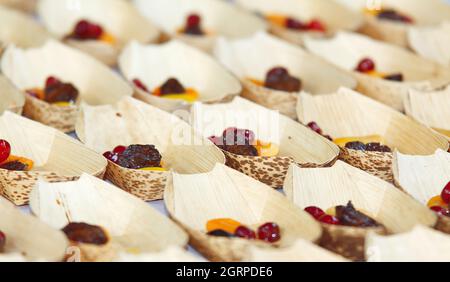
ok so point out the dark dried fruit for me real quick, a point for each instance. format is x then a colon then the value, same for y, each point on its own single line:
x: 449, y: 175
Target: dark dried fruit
x: 85, y: 233
x: 349, y: 216
x: 172, y: 86
x: 377, y: 147
x: 243, y: 150
x: 139, y: 156
x: 394, y: 77
x: 245, y: 232
x: 193, y: 25
x: 220, y: 233
x: 279, y: 79
x: 236, y: 141
x: 269, y: 232
x: 393, y: 15
x: 14, y: 166
x: 292, y: 23
x: 356, y: 145
x: 60, y: 92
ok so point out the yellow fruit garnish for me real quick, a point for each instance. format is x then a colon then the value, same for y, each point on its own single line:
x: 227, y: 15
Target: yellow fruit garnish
x: 437, y: 201
x: 364, y: 139
x: 256, y: 81
x: 107, y: 38
x: 376, y: 74
x: 331, y: 211
x: 190, y: 96
x: 62, y: 104
x: 275, y: 19
x: 371, y: 12
x: 267, y: 149
x: 225, y: 224
x: 153, y: 169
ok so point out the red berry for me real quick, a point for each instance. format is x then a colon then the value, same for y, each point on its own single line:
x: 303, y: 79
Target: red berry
x: 245, y: 232
x: 111, y: 156
x: 315, y: 127
x: 440, y: 210
x: 316, y: 212
x: 119, y: 149
x: 193, y: 20
x: 51, y: 80
x: 366, y: 65
x: 294, y: 24
x: 269, y: 232
x: 316, y: 25
x: 82, y: 29
x: 328, y: 219
x: 445, y: 195
x: 5, y: 150
x: 140, y: 85
x: 2, y: 240
x: 94, y: 31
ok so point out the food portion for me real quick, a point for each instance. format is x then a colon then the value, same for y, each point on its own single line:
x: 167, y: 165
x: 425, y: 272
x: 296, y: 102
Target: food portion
x: 11, y: 162
x: 171, y: 89
x: 193, y: 26
x: 86, y: 30
x: 373, y: 143
x: 367, y: 66
x: 278, y: 78
x: 243, y: 142
x: 141, y: 157
x: 291, y: 23
x: 85, y: 233
x: 56, y: 92
x: 229, y: 228
x: 342, y: 215
x: 441, y: 203
x: 390, y: 15
x: 2, y: 241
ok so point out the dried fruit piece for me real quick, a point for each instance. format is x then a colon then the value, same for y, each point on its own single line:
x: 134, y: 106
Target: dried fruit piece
x: 15, y: 163
x: 5, y: 150
x: 172, y: 86
x: 377, y: 147
x: 341, y: 142
x: 316, y: 212
x: 356, y: 145
x: 349, y: 216
x: 144, y: 157
x: 220, y: 233
x: 437, y: 201
x: 269, y: 232
x: 85, y: 233
x: 292, y: 23
x: 393, y: 15
x: 225, y: 224
x: 279, y: 78
x: 394, y: 77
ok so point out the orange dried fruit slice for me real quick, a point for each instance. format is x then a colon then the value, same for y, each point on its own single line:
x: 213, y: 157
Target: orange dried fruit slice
x: 225, y: 224
x: 107, y: 38
x: 437, y: 201
x: 276, y: 19
x: 29, y: 163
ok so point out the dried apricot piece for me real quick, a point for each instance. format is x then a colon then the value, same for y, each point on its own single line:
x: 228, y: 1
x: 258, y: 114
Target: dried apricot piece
x: 226, y: 224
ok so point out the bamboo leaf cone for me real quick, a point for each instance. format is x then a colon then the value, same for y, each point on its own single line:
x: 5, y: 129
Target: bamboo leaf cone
x: 118, y: 18
x: 346, y: 50
x: 297, y: 143
x: 423, y: 177
x: 29, y: 68
x: 350, y: 114
x: 330, y: 187
x: 133, y: 122
x: 155, y: 64
x: 226, y: 193
x: 334, y: 16
x: 29, y: 238
x: 57, y: 157
x: 219, y: 18
x: 132, y: 225
x: 248, y: 59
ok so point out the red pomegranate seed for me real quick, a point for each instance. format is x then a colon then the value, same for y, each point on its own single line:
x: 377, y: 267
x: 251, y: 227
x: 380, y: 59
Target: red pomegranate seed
x: 95, y: 31
x: 2, y: 240
x: 315, y: 127
x: 328, y: 219
x: 445, y: 195
x: 51, y: 80
x: 316, y: 25
x: 82, y: 29
x: 245, y: 232
x: 366, y: 65
x: 269, y: 232
x: 140, y: 85
x: 5, y: 150
x: 193, y: 20
x: 316, y: 212
x: 119, y: 149
x: 440, y: 210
